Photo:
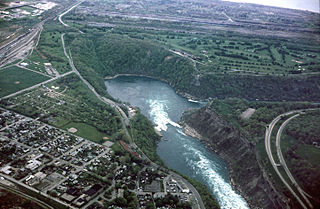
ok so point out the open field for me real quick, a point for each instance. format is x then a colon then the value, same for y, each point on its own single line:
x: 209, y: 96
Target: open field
x: 67, y: 103
x: 13, y: 79
x: 49, y: 50
x: 220, y: 36
x: 86, y: 131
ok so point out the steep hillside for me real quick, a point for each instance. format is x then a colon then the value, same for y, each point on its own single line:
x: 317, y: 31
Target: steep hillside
x: 99, y: 54
x: 246, y: 172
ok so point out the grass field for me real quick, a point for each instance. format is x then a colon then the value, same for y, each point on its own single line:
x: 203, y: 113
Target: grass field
x: 86, y: 131
x: 49, y: 50
x: 66, y: 103
x: 14, y: 79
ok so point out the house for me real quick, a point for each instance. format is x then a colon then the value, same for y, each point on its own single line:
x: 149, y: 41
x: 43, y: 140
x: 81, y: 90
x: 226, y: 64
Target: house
x: 33, y: 164
x: 6, y: 170
x: 67, y: 197
x: 93, y: 190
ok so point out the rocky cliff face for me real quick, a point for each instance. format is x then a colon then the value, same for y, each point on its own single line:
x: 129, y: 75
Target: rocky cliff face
x: 245, y: 171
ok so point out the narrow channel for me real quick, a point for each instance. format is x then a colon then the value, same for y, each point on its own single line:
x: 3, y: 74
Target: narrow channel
x: 159, y: 102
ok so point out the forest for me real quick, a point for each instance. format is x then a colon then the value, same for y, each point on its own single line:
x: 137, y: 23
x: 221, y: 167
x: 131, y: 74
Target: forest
x: 101, y: 54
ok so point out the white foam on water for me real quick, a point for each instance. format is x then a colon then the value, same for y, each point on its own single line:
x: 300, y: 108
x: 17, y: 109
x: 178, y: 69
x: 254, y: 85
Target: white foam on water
x: 181, y: 132
x: 194, y: 101
x: 159, y: 115
x: 227, y: 197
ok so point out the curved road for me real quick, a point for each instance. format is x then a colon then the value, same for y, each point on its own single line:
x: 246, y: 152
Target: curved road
x: 283, y: 163
x: 268, y: 135
x: 71, y: 8
x: 125, y: 120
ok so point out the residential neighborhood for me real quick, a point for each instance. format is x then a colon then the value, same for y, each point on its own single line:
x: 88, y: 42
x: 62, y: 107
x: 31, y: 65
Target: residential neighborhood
x: 78, y: 173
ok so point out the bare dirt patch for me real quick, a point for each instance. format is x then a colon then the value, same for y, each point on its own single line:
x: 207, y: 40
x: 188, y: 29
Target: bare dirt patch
x: 247, y: 114
x: 72, y: 130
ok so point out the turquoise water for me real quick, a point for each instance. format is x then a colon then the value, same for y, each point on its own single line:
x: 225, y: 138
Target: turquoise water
x: 187, y: 155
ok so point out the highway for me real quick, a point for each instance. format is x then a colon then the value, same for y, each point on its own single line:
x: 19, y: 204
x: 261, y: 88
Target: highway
x: 64, y: 13
x: 283, y: 163
x: 268, y: 135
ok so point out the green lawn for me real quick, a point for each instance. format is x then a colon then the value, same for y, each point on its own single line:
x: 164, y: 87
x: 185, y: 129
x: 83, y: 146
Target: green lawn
x: 14, y: 79
x: 86, y: 131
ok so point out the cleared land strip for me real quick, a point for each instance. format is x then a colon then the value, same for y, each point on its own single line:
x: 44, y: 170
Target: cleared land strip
x: 19, y: 66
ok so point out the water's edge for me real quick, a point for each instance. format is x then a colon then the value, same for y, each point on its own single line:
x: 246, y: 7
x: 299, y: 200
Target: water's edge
x: 193, y: 133
x: 197, y: 136
x: 180, y: 93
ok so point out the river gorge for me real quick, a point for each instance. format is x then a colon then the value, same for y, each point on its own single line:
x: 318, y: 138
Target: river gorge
x: 185, y: 154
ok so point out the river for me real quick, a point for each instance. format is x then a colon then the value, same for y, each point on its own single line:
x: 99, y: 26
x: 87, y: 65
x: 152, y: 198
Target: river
x: 159, y: 102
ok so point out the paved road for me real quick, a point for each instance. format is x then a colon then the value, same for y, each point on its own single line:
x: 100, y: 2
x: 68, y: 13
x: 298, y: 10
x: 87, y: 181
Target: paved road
x: 125, y: 121
x: 283, y: 163
x: 191, y: 187
x: 19, y: 193
x: 36, y: 86
x: 269, y: 152
x: 103, y: 99
x: 71, y: 8
x: 38, y: 72
x: 33, y: 189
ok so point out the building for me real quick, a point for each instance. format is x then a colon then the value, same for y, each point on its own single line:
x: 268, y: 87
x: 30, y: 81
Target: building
x: 6, y: 170
x: 33, y: 164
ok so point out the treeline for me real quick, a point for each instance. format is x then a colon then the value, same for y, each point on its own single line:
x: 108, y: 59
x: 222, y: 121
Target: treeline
x: 258, y: 87
x: 145, y: 137
x: 208, y: 200
x: 103, y: 54
x: 305, y: 128
x: 89, y: 110
x: 254, y: 127
x: 98, y: 55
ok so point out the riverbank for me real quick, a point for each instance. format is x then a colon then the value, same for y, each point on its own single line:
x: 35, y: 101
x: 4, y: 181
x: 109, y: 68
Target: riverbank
x: 164, y: 107
x: 188, y: 130
x: 245, y: 172
x: 189, y: 97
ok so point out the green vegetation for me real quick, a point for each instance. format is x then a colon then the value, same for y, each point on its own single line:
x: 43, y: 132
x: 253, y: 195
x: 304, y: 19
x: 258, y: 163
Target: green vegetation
x: 171, y: 201
x: 145, y: 137
x: 208, y: 200
x: 216, y: 50
x: 100, y: 54
x: 297, y: 144
x: 254, y: 127
x: 304, y: 128
x: 86, y: 131
x: 65, y: 103
x: 49, y: 49
x: 129, y: 200
x: 13, y: 79
x: 10, y: 200
x: 40, y: 197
